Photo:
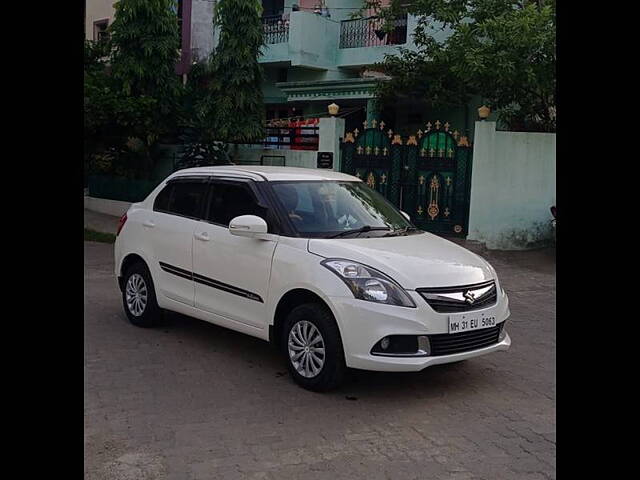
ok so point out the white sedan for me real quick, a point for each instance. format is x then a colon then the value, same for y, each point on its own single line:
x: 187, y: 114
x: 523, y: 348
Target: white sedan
x: 313, y: 261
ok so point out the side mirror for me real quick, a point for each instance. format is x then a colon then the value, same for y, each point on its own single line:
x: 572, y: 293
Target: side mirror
x: 405, y: 215
x: 248, y: 226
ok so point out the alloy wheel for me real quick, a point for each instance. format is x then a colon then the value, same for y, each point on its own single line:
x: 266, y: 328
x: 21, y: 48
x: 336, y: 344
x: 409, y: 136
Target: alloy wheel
x: 136, y: 294
x: 306, y: 349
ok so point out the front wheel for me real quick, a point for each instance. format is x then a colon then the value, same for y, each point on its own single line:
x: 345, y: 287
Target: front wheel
x: 313, y: 348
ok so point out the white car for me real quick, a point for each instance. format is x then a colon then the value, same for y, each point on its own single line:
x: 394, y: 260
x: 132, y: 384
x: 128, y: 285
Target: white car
x: 313, y: 261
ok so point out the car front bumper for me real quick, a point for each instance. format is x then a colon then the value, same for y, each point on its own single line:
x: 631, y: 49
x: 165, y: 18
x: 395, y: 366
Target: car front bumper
x: 362, y: 324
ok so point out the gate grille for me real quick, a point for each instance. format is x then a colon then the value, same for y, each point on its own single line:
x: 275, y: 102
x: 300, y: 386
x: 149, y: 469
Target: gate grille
x: 427, y: 175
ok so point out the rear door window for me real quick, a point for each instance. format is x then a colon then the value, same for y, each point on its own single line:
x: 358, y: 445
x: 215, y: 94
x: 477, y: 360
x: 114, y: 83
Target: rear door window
x: 161, y: 202
x: 229, y: 200
x: 184, y: 198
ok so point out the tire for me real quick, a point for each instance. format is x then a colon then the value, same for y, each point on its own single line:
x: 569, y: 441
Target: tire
x: 145, y: 312
x: 321, y: 373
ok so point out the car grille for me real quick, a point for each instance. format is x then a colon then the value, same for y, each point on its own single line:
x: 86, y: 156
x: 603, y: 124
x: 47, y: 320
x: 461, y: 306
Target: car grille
x: 449, y: 343
x: 460, y: 299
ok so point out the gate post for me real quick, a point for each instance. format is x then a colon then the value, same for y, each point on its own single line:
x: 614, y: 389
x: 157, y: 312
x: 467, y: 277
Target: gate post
x: 330, y: 131
x: 373, y: 109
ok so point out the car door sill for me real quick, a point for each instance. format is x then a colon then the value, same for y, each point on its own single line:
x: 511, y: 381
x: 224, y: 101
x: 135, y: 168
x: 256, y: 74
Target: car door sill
x: 216, y: 319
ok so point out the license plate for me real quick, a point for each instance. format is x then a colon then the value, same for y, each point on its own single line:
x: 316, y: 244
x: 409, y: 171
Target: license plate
x: 465, y: 323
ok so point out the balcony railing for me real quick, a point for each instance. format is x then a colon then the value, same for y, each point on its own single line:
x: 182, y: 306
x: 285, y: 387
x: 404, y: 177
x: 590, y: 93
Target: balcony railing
x: 370, y: 32
x: 276, y: 29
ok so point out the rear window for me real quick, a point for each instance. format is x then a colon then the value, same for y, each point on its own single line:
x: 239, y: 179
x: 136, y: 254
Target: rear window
x: 162, y: 200
x: 182, y: 198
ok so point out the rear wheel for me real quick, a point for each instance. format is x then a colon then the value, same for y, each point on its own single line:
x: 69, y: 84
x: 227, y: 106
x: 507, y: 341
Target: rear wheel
x: 139, y: 296
x: 313, y: 348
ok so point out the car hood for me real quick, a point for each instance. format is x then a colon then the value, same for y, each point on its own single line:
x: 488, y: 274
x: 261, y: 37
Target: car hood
x: 414, y: 261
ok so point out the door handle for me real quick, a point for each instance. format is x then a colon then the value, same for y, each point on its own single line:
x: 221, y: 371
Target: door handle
x: 204, y: 236
x: 149, y: 224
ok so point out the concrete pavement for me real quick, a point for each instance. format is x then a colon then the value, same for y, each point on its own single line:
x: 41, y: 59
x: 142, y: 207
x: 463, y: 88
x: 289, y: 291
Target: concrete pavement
x: 189, y: 400
x: 100, y: 222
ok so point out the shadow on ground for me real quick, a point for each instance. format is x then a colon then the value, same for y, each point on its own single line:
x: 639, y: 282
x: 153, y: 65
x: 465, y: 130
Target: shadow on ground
x: 359, y: 384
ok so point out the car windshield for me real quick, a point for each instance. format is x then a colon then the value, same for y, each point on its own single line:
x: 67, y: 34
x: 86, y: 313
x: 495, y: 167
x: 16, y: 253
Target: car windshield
x: 335, y: 208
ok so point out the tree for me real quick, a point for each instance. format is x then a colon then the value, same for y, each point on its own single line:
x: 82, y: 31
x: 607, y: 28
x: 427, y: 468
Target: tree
x: 131, y: 88
x: 197, y: 134
x: 231, y: 108
x: 500, y: 50
x: 146, y: 41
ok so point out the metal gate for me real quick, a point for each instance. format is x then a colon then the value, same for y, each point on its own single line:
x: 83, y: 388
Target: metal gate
x: 428, y: 175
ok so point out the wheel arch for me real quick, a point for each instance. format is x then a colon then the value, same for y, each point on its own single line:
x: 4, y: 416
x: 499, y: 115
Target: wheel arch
x: 290, y: 300
x: 127, y: 261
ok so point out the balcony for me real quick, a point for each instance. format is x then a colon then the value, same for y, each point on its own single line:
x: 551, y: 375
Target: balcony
x: 300, y: 39
x: 304, y: 39
x: 365, y: 41
x: 369, y: 32
x: 276, y: 29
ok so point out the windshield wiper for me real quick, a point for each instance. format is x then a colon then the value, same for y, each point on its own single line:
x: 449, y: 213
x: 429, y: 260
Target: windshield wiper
x: 365, y: 228
x: 400, y: 231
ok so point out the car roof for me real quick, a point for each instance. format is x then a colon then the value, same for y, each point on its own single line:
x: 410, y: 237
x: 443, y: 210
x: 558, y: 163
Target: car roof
x: 267, y: 173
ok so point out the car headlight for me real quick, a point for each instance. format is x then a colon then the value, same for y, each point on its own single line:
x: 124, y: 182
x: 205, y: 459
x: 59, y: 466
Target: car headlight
x: 369, y: 284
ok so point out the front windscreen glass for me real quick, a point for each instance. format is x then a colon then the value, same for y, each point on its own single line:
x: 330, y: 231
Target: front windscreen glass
x: 328, y: 209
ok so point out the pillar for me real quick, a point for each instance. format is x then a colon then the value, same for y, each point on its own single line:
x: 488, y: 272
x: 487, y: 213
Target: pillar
x: 373, y: 110
x: 330, y: 131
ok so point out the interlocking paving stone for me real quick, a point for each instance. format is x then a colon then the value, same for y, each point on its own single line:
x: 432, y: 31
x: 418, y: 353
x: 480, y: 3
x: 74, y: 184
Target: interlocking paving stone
x: 189, y: 400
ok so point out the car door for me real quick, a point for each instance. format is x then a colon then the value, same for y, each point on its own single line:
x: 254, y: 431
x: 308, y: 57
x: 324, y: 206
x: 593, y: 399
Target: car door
x: 176, y: 212
x: 231, y: 273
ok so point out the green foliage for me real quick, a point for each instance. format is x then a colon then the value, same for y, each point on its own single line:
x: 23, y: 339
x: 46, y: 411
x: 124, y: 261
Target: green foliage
x: 94, y: 236
x: 501, y: 50
x: 201, y: 146
x: 131, y: 88
x: 231, y: 108
x: 96, y: 55
x: 199, y: 150
x: 134, y: 98
x: 146, y: 41
x: 111, y: 117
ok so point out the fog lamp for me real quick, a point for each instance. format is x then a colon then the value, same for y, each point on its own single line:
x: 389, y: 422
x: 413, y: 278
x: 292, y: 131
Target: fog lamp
x: 424, y: 344
x: 503, y: 333
x: 384, y: 343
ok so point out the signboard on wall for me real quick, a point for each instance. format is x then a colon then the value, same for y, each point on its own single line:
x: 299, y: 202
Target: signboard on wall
x: 325, y: 160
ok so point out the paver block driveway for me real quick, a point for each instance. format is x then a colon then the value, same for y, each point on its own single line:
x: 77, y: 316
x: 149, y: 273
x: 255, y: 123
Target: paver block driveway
x: 190, y: 400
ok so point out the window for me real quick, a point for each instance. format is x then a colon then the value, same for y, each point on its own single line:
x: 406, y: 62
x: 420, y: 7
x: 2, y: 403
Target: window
x: 323, y: 208
x: 100, y: 32
x: 161, y: 203
x: 182, y: 198
x: 230, y: 200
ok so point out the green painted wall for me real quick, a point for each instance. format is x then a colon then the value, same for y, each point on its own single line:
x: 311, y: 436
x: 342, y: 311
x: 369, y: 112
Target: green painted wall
x: 513, y: 185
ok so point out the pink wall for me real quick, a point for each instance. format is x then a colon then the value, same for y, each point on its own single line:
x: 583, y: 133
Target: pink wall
x: 304, y: 4
x: 310, y: 4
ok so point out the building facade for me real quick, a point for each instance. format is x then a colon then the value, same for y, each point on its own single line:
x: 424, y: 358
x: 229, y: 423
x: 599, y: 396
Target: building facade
x: 329, y: 56
x: 424, y: 160
x: 98, y: 16
x: 316, y: 52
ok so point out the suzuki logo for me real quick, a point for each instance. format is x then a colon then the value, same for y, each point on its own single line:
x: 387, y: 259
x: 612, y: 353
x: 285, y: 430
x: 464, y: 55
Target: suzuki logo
x: 470, y: 297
